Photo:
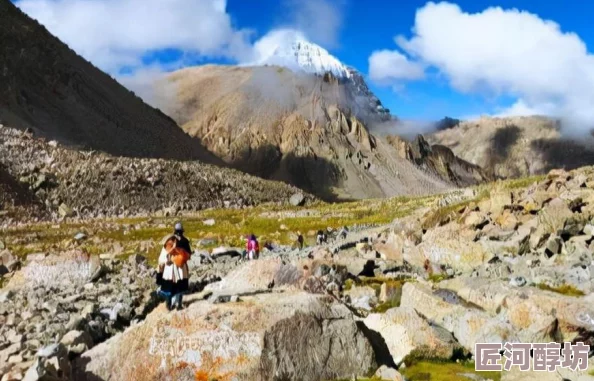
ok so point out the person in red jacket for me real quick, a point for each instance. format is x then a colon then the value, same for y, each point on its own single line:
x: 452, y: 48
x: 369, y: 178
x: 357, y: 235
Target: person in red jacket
x: 253, y: 248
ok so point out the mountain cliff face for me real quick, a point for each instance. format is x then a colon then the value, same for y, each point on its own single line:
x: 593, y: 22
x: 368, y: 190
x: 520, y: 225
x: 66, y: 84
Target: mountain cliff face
x: 295, y: 127
x: 440, y: 161
x: 515, y: 147
x: 48, y: 88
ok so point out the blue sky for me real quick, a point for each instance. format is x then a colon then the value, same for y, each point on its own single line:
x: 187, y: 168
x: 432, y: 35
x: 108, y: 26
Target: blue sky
x: 372, y: 25
x: 463, y: 59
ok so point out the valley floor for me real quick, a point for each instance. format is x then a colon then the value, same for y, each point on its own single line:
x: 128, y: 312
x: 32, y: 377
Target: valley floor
x: 414, y: 285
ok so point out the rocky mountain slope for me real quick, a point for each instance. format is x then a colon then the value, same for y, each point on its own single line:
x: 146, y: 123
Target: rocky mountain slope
x: 42, y: 179
x: 507, y: 262
x: 47, y: 87
x: 295, y: 127
x: 515, y: 147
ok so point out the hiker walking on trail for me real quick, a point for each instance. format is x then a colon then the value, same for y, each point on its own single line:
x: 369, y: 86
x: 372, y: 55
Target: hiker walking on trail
x: 173, y: 274
x: 321, y: 237
x: 343, y: 232
x: 299, y: 242
x: 253, y: 248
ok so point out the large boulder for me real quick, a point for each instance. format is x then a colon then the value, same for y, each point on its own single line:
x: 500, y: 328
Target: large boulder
x: 449, y: 245
x: 8, y: 262
x: 253, y: 276
x: 363, y: 298
x: 468, y: 324
x: 535, y: 315
x: 72, y: 268
x: 289, y: 336
x: 405, y: 332
x: 297, y: 199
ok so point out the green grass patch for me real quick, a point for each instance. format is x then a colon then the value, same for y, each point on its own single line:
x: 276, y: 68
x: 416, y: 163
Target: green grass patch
x: 522, y: 182
x: 565, y: 289
x: 383, y: 307
x: 436, y: 278
x: 443, y: 215
x: 231, y: 225
x: 444, y: 371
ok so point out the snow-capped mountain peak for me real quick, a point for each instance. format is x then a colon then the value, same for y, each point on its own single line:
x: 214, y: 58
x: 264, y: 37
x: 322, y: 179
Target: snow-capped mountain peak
x: 289, y: 48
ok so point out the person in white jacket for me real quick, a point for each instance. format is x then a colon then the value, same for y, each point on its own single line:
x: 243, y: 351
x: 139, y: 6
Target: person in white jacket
x: 173, y: 280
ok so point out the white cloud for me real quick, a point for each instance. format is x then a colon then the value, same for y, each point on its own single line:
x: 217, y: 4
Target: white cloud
x: 117, y: 33
x: 150, y: 84
x: 387, y: 66
x: 508, y: 52
x: 320, y: 20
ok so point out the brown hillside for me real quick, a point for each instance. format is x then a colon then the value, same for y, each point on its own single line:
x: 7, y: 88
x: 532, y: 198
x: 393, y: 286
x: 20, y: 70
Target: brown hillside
x: 47, y: 87
x: 515, y: 147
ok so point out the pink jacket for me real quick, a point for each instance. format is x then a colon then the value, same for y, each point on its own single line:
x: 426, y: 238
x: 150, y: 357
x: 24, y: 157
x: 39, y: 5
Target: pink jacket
x: 253, y: 245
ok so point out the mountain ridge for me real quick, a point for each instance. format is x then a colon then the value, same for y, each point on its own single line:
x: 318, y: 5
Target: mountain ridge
x: 48, y: 88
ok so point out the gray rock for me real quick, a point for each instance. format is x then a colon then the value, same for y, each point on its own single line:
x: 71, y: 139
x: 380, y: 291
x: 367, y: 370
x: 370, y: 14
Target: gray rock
x: 6, y: 296
x: 74, y: 338
x: 9, y: 351
x: 518, y: 281
x: 136, y: 259
x: 50, y: 350
x: 589, y: 230
x: 207, y: 242
x: 36, y: 257
x: 65, y: 211
x: 9, y: 261
x: 209, y: 222
x: 52, y: 364
x: 388, y: 374
x: 298, y: 199
x: 553, y: 246
x: 80, y: 236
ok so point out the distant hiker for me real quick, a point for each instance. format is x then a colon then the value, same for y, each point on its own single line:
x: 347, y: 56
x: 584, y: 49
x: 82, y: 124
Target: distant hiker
x: 253, y: 247
x: 300, y: 240
x: 343, y: 232
x: 321, y: 237
x: 173, y: 274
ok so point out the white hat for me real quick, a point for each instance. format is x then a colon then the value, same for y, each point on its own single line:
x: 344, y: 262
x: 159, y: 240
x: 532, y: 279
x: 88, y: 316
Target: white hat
x: 179, y: 227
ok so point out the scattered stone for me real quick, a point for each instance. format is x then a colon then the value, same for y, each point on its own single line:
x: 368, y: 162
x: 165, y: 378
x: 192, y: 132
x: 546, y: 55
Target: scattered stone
x: 388, y: 374
x: 389, y: 292
x: 363, y: 298
x: 553, y: 246
x: 209, y: 222
x: 74, y: 338
x: 80, y: 236
x: 36, y: 257
x: 518, y: 281
x: 65, y: 211
x: 589, y: 230
x: 298, y: 199
x: 136, y: 259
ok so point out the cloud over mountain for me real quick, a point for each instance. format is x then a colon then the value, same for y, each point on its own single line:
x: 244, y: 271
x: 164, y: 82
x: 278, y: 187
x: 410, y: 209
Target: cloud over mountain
x: 499, y: 52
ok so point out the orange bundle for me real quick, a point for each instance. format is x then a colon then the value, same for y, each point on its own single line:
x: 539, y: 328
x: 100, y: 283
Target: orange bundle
x: 178, y: 255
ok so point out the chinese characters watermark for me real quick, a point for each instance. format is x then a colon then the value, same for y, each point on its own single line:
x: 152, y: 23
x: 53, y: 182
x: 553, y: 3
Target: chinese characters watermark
x: 540, y: 357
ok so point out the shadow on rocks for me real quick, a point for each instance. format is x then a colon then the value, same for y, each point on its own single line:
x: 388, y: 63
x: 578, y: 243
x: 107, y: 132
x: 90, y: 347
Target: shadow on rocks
x: 380, y: 348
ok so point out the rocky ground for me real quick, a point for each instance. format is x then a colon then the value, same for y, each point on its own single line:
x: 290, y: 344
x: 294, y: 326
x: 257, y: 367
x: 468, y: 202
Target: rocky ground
x: 511, y: 261
x: 43, y: 180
